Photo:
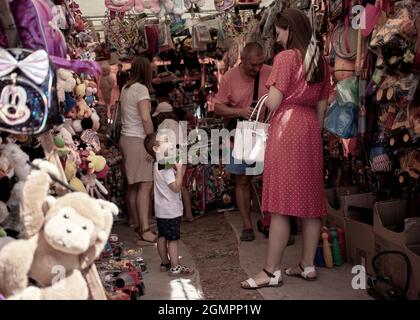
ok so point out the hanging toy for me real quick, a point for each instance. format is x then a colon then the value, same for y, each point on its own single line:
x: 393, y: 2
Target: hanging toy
x: 327, y: 250
x: 336, y: 249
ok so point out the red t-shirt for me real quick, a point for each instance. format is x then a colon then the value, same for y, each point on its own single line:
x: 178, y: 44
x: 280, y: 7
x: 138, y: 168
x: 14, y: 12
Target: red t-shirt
x: 237, y: 92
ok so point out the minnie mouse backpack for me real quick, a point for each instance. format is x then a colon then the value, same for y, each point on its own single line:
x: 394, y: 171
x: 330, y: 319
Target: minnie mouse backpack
x: 28, y: 99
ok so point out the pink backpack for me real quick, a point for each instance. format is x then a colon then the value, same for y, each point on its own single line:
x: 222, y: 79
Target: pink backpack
x: 28, y: 24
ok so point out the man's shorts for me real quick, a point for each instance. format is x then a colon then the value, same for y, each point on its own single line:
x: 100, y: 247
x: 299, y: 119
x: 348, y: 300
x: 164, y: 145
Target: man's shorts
x: 238, y: 167
x: 169, y: 228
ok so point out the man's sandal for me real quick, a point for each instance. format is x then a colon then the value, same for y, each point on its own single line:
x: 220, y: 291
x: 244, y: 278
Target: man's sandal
x: 304, y: 272
x: 275, y: 281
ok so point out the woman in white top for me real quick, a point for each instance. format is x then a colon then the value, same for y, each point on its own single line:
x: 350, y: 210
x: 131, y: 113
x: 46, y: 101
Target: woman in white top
x: 136, y: 124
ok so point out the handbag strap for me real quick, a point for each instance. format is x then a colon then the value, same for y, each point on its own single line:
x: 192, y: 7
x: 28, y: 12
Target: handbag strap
x: 256, y: 87
x: 258, y: 109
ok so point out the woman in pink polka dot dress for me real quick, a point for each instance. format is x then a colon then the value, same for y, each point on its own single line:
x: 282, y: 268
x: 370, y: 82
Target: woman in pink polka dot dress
x: 293, y: 172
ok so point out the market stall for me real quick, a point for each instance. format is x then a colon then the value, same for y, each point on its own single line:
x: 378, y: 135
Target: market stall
x: 54, y: 111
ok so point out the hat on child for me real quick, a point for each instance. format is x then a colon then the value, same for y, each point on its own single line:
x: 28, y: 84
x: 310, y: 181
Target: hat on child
x: 162, y: 107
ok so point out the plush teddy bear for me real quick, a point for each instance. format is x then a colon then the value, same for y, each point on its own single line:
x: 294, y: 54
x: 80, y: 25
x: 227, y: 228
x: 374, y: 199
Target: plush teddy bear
x: 60, y: 235
x: 65, y: 83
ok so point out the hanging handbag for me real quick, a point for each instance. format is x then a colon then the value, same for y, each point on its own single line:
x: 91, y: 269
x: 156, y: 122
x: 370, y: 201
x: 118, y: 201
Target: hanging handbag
x: 28, y: 97
x: 201, y: 37
x: 251, y: 136
x: 342, y: 117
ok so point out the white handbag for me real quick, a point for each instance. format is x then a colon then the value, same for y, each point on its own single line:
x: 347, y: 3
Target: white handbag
x: 251, y: 136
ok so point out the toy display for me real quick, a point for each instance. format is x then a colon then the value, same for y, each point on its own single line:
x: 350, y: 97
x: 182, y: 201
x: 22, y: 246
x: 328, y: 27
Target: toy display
x: 45, y: 232
x: 331, y: 250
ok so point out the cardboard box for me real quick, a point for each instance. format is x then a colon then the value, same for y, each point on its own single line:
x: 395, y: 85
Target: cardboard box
x: 413, y: 252
x: 395, y: 233
x: 335, y: 212
x: 360, y: 235
x: 394, y: 266
x: 390, y: 223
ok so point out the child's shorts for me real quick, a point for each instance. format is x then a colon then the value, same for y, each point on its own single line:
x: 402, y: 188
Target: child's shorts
x: 169, y: 228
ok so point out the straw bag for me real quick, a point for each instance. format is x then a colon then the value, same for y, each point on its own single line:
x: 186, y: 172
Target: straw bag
x: 251, y: 136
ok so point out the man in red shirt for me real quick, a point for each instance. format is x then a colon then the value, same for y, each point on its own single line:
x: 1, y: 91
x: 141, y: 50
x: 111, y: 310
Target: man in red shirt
x: 234, y: 100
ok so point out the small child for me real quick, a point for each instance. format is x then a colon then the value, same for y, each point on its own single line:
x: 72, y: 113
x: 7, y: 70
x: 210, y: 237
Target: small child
x: 168, y: 205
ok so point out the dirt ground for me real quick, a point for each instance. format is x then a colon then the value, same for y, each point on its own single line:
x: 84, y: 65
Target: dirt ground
x: 212, y: 242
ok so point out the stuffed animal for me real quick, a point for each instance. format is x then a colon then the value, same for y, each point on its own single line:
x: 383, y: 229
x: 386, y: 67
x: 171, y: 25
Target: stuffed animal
x: 79, y: 23
x: 77, y: 126
x: 19, y: 169
x: 95, y: 120
x: 60, y: 235
x: 91, y: 91
x: 60, y: 146
x: 71, y: 171
x: 80, y: 91
x: 65, y: 83
x: 83, y: 109
x: 96, y: 163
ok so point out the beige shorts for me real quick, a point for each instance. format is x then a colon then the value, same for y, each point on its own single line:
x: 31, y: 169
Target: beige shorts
x: 137, y: 166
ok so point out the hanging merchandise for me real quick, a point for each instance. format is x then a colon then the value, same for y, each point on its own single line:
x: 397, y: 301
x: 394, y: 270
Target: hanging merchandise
x: 119, y: 6
x: 40, y: 33
x: 165, y: 37
x: 341, y: 118
x: 338, y: 9
x: 95, y: 216
x: 223, y: 5
x: 152, y: 36
x: 127, y: 36
x: 390, y: 42
x: 194, y: 5
x: 200, y: 37
x: 300, y: 4
x: 247, y: 5
x: 28, y: 101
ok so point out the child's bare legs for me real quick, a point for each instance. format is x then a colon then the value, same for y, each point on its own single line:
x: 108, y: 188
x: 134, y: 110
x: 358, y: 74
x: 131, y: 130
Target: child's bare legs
x: 186, y: 199
x: 173, y: 253
x: 162, y: 246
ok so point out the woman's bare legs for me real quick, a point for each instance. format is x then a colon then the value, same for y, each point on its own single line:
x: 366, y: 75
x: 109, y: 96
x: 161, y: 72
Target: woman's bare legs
x: 277, y: 241
x: 131, y: 198
x: 143, y: 207
x: 310, y: 233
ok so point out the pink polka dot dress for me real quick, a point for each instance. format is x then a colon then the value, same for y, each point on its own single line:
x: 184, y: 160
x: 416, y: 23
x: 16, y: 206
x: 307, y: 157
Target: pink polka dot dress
x: 293, y: 167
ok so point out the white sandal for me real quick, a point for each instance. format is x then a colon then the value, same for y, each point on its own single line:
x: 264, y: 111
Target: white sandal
x: 275, y: 281
x: 304, y: 274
